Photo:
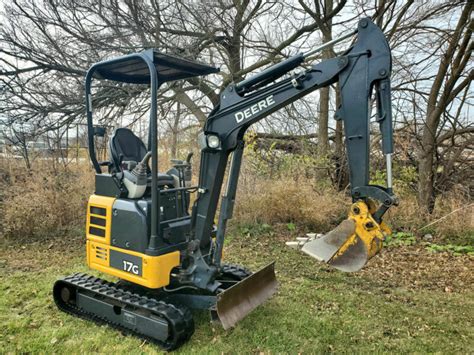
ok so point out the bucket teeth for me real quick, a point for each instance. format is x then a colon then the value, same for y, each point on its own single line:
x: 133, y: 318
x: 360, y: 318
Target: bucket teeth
x: 239, y: 300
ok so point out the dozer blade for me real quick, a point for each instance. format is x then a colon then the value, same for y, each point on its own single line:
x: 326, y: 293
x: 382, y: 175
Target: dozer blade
x: 239, y: 300
x: 352, y: 243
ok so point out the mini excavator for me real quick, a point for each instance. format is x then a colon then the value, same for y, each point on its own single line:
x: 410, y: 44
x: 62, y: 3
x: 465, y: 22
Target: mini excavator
x: 166, y: 251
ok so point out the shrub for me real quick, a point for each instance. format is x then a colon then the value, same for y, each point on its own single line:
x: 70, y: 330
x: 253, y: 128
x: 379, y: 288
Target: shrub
x: 290, y: 202
x: 452, y: 226
x: 400, y: 238
x: 43, y: 203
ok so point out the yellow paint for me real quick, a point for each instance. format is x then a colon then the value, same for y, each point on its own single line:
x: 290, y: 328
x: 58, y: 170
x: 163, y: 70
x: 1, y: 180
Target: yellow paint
x: 372, y: 237
x: 156, y: 270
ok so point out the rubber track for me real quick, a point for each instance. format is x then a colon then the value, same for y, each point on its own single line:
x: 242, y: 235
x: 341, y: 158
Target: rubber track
x: 179, y: 318
x: 234, y: 271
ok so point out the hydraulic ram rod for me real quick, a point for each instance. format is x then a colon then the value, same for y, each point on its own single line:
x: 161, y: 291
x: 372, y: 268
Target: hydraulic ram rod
x: 275, y: 71
x: 329, y: 44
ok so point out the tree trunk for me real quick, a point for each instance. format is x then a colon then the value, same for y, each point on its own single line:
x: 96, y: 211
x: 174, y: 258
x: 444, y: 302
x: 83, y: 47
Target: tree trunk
x: 26, y: 156
x: 453, y: 62
x: 175, y: 131
x: 324, y: 93
x: 341, y: 176
x: 426, y: 181
x: 323, y: 133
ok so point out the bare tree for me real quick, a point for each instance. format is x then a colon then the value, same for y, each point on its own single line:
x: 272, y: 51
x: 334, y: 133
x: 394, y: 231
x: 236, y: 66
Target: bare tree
x: 323, y: 14
x: 451, y: 79
x: 19, y: 138
x: 46, y: 47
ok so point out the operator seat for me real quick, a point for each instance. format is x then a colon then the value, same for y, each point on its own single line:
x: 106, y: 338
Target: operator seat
x: 126, y: 147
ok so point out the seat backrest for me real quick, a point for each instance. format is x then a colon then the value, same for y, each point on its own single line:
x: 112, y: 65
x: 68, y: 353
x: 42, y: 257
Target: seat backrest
x: 125, y: 146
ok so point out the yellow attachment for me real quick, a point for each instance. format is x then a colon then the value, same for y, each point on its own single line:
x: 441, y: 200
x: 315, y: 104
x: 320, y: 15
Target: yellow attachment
x: 367, y: 229
x: 352, y: 243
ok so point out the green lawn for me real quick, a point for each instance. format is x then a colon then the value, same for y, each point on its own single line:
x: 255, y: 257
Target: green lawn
x: 386, y: 308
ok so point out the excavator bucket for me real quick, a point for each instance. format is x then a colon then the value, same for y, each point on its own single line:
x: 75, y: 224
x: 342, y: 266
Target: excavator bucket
x: 352, y: 243
x: 239, y: 300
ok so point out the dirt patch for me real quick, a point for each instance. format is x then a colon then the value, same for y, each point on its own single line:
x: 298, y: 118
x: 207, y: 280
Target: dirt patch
x: 414, y: 267
x: 406, y: 267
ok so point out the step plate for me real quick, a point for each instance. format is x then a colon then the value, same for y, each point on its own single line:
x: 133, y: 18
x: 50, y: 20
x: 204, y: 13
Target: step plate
x: 239, y: 300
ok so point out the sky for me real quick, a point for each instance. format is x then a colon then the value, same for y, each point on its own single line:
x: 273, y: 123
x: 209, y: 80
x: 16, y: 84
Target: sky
x: 306, y: 43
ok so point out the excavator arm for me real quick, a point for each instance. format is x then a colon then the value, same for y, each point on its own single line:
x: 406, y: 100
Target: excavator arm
x: 363, y: 68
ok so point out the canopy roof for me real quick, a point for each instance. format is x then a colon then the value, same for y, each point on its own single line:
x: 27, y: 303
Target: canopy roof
x: 133, y: 68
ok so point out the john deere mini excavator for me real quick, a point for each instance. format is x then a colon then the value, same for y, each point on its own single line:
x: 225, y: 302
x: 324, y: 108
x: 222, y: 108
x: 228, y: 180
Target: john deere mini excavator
x: 167, y: 254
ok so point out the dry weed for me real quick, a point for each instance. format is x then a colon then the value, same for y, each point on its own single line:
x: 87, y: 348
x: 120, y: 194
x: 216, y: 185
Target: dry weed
x: 453, y: 216
x: 290, y: 201
x: 43, y: 202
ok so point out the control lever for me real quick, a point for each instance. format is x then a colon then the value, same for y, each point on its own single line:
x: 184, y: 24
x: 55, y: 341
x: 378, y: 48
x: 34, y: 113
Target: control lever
x: 188, y: 158
x: 182, y: 169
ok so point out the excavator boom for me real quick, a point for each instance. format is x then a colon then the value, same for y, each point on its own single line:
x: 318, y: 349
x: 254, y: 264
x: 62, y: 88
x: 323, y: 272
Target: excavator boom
x: 365, y: 67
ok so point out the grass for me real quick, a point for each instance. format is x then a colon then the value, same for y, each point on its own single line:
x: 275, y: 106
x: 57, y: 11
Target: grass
x: 315, y: 310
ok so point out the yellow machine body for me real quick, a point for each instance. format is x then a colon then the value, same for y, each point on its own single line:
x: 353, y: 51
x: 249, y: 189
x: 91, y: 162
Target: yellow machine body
x: 141, y: 269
